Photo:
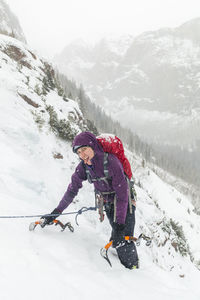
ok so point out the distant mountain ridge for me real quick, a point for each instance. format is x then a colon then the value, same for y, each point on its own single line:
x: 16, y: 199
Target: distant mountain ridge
x: 152, y: 87
x: 9, y: 23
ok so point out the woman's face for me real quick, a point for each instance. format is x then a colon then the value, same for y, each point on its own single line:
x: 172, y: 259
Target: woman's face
x: 86, y: 154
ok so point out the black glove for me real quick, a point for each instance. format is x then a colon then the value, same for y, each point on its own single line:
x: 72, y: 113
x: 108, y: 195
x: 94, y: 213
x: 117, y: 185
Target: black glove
x: 48, y: 219
x: 118, y: 234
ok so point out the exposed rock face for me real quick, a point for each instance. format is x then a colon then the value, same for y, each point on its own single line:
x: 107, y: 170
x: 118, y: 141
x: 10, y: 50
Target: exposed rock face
x: 152, y: 86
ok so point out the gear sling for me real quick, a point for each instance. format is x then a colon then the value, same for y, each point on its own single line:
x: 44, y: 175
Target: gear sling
x: 99, y: 196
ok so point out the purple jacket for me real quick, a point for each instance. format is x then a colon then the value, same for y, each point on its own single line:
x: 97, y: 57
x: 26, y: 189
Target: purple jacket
x: 118, y: 181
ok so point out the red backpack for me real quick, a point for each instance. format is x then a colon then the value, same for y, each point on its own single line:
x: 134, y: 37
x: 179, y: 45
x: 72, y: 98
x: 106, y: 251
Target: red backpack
x: 112, y: 144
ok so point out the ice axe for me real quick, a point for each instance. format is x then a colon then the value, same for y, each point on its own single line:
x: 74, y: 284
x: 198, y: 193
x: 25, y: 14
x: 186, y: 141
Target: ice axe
x: 56, y: 222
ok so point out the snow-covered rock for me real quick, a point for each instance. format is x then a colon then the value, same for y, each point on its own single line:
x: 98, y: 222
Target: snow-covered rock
x: 9, y: 24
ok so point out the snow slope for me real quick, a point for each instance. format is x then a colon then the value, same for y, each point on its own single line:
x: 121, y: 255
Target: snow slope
x: 51, y: 264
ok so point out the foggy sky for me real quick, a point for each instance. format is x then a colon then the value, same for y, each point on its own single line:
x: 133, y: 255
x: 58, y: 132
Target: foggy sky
x: 49, y: 25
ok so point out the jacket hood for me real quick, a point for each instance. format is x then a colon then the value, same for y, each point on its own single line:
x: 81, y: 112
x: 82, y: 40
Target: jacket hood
x: 87, y: 139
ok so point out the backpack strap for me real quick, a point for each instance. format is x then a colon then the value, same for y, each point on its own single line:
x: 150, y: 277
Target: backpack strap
x: 105, y: 178
x: 106, y: 174
x: 129, y: 196
x: 105, y: 164
x: 115, y: 209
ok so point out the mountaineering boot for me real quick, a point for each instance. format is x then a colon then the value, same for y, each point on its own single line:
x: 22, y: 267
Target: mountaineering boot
x: 128, y: 256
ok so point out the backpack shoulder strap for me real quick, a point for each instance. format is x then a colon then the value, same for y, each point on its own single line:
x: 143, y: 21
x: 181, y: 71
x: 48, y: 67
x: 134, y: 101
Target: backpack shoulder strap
x: 87, y: 172
x: 105, y: 167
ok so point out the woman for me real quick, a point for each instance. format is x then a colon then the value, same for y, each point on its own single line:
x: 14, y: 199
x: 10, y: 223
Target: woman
x: 112, y: 188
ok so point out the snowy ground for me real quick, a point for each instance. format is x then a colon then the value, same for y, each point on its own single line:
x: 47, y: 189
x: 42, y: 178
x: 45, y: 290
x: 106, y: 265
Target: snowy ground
x: 53, y: 265
x: 49, y: 264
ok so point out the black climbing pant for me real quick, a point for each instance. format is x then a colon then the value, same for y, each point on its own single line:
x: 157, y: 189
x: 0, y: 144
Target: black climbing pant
x: 127, y: 252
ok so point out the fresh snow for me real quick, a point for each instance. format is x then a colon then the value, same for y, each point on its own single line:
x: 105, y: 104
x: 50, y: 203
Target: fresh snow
x: 49, y: 264
x: 9, y: 23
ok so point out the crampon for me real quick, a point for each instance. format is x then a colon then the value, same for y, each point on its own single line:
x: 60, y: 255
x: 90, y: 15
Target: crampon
x: 104, y: 250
